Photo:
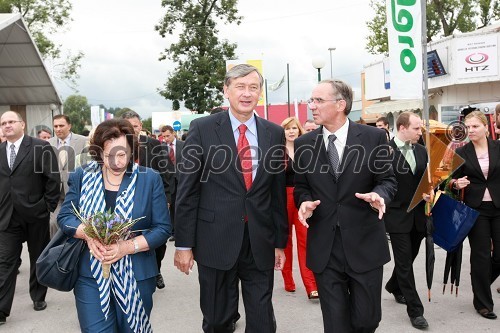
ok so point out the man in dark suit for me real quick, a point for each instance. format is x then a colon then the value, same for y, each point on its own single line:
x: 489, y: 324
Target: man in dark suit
x: 231, y: 207
x: 152, y: 155
x: 407, y: 229
x: 344, y: 175
x: 29, y: 191
x: 174, y: 154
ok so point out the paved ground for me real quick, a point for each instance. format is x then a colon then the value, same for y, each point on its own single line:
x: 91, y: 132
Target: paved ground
x: 176, y: 307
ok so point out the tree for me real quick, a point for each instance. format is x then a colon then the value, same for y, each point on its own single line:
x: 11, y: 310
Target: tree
x: 444, y: 17
x: 199, y: 54
x: 147, y: 124
x: 43, y: 18
x: 77, y: 108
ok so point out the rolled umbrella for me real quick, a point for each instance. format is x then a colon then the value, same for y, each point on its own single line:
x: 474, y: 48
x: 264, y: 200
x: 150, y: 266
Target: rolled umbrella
x: 429, y: 254
x: 455, y: 269
x: 452, y: 268
x: 447, y: 267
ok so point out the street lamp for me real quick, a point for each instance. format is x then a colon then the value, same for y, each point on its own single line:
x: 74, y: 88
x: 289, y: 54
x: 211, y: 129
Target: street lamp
x: 331, y: 66
x: 318, y: 63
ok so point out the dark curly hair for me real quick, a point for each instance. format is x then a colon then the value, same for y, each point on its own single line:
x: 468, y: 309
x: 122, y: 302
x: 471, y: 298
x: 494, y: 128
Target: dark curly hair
x: 113, y: 129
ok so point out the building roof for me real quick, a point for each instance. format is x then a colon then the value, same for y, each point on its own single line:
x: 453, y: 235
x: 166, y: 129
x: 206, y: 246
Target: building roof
x: 24, y: 79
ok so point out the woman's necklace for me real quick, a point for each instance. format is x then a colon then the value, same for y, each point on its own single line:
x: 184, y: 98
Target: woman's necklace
x: 106, y: 177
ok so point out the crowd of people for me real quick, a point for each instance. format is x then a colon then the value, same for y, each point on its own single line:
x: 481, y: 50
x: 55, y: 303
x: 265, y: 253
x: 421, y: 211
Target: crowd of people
x: 320, y: 181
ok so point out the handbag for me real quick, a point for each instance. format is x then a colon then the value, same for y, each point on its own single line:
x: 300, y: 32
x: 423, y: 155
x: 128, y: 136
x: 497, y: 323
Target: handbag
x: 57, y: 266
x: 452, y: 222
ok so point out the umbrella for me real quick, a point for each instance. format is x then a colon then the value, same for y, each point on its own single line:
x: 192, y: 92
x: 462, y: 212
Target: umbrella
x: 430, y: 257
x: 453, y: 265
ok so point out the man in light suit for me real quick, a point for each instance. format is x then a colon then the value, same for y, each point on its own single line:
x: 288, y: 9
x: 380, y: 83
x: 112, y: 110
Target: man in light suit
x: 29, y: 190
x: 407, y: 229
x: 344, y: 175
x: 231, y: 209
x: 67, y: 146
x: 174, y: 153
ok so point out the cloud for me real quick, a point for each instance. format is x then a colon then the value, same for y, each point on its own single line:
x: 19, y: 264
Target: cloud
x: 121, y: 66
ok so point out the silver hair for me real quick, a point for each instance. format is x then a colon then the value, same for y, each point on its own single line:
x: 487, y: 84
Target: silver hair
x: 241, y: 70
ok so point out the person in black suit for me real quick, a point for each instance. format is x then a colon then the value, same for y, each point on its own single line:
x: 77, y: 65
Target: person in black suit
x: 231, y: 207
x: 479, y: 176
x: 153, y: 155
x: 174, y: 148
x: 29, y: 191
x: 407, y: 229
x: 344, y: 175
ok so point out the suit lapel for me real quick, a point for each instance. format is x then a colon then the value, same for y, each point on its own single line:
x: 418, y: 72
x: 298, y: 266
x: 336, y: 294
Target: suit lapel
x: 226, y: 137
x: 353, y: 143
x: 472, y: 157
x: 24, y: 149
x: 319, y: 148
x: 4, y: 164
x: 493, y: 156
x: 264, y: 141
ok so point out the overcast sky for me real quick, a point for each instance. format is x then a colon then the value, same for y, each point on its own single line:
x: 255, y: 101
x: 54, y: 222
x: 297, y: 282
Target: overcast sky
x: 121, y: 67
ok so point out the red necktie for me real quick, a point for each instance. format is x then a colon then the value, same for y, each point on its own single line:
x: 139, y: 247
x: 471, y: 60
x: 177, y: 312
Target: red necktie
x: 245, y: 156
x: 171, y: 153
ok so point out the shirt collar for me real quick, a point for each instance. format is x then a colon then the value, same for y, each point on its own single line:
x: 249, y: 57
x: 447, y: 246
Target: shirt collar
x: 16, y: 144
x: 400, y: 143
x: 250, y: 123
x: 341, y: 133
x: 66, y: 139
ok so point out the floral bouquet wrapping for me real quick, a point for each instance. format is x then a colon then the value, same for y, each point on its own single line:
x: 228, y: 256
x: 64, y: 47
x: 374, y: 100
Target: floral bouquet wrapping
x: 108, y: 228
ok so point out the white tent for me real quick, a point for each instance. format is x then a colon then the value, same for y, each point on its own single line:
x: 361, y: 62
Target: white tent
x: 25, y: 84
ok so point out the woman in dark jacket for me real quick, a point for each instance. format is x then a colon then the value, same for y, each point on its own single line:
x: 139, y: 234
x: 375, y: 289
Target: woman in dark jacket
x: 479, y: 176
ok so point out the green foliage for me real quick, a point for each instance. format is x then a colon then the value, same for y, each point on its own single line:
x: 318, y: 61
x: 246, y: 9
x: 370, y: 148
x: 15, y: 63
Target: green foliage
x: 147, y: 124
x: 77, y: 108
x: 176, y: 105
x: 444, y: 17
x: 43, y: 18
x: 199, y: 54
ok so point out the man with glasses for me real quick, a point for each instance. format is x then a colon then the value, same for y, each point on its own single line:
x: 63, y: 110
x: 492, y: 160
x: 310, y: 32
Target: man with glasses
x: 344, y: 176
x: 29, y: 190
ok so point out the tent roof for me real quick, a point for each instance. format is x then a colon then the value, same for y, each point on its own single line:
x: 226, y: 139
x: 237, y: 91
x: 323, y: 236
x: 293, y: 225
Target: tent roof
x: 24, y: 80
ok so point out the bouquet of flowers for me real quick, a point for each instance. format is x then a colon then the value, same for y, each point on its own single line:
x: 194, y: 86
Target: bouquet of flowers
x: 106, y: 227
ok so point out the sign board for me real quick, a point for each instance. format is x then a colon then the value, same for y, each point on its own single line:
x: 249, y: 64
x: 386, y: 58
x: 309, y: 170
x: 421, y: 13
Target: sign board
x: 176, y: 125
x: 476, y: 56
x: 404, y: 27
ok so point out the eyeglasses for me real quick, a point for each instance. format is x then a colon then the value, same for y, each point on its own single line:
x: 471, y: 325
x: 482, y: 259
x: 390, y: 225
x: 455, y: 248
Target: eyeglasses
x: 319, y: 100
x: 10, y: 122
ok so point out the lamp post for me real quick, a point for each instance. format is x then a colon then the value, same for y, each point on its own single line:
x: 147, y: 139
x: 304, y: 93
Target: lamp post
x: 331, y: 66
x: 318, y: 63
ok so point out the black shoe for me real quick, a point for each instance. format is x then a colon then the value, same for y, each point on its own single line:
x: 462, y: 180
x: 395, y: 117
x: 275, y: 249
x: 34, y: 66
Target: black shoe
x: 39, y: 305
x: 398, y: 297
x: 419, y: 322
x: 3, y: 318
x: 160, y: 284
x: 487, y: 314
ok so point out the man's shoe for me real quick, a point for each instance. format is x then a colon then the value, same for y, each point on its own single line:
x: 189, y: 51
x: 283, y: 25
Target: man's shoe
x: 398, y: 297
x: 419, y: 322
x: 160, y: 284
x: 3, y: 318
x: 487, y: 314
x: 39, y: 305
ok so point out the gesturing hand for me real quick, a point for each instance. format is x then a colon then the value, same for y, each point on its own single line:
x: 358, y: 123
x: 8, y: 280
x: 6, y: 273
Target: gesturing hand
x: 375, y: 200
x: 306, y: 210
